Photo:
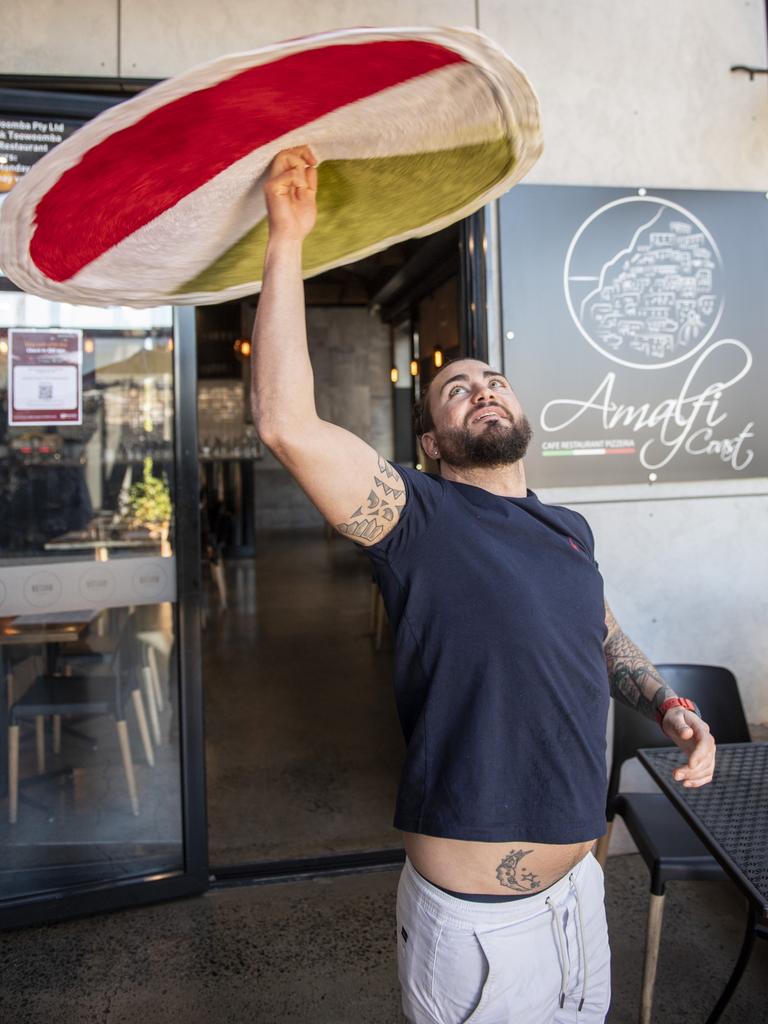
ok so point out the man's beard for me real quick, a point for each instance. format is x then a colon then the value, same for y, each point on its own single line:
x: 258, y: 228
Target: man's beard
x: 498, y: 444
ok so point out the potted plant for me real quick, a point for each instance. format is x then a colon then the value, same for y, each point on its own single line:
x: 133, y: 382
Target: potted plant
x: 148, y: 503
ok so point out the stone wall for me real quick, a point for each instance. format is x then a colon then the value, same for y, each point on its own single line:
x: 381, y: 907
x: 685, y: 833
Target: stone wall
x: 351, y: 361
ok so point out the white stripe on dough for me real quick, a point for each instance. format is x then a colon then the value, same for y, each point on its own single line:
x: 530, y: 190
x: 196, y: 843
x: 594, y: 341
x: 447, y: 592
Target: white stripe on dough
x: 175, y: 247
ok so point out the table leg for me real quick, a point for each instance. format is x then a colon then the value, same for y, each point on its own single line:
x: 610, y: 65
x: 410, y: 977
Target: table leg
x: 5, y: 668
x: 738, y: 970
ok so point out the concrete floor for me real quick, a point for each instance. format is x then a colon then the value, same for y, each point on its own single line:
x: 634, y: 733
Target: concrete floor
x: 304, y: 751
x: 303, y: 746
x: 323, y: 952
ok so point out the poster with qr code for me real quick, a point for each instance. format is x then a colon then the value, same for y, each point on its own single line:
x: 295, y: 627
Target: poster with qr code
x: 45, y: 378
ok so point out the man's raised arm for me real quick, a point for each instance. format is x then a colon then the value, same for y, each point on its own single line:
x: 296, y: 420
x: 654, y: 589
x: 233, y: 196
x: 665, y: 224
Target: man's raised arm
x: 356, y: 490
x: 635, y: 682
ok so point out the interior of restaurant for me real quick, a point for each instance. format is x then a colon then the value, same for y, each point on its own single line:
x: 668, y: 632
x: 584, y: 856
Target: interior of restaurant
x: 88, y: 731
x: 303, y: 746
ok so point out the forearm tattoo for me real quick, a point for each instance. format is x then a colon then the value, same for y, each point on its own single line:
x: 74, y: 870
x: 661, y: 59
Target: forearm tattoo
x: 510, y: 873
x: 382, y: 507
x: 633, y: 679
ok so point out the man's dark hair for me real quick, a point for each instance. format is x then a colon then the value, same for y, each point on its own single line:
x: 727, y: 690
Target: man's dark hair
x: 422, y: 414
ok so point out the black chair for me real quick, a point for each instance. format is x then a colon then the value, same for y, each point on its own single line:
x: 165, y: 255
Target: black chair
x: 96, y: 647
x: 84, y: 695
x: 666, y: 842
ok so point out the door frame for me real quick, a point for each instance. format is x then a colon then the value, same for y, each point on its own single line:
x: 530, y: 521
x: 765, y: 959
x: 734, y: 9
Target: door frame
x: 193, y: 878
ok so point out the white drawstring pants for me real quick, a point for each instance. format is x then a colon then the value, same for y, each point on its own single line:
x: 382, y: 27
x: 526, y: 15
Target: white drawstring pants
x: 539, y: 960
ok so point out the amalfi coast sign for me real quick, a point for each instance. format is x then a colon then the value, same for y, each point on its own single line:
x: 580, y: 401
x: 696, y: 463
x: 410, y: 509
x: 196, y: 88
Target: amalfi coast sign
x: 633, y: 332
x: 659, y: 297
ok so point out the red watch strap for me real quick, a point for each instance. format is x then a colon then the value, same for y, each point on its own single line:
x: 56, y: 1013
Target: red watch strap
x: 675, y: 702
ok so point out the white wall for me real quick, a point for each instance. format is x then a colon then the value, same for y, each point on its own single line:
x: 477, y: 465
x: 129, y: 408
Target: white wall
x: 686, y: 572
x: 51, y: 37
x: 161, y: 39
x: 632, y: 93
x: 641, y: 93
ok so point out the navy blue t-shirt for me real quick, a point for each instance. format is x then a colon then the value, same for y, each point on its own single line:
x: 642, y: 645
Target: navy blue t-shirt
x: 500, y: 676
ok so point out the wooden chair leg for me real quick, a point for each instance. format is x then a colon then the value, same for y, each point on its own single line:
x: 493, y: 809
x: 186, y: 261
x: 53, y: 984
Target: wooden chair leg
x: 57, y: 734
x: 40, y: 743
x: 153, y: 668
x: 217, y: 571
x: 141, y: 718
x: 125, y: 750
x: 149, y: 693
x: 652, y: 939
x: 601, y: 852
x: 13, y: 773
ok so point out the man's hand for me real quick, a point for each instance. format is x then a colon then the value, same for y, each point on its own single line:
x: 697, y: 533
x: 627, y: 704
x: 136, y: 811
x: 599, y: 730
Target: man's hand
x: 290, y: 192
x: 692, y: 735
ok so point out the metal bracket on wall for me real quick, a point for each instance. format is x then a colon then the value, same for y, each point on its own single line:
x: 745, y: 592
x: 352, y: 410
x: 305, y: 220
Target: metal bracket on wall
x: 750, y: 71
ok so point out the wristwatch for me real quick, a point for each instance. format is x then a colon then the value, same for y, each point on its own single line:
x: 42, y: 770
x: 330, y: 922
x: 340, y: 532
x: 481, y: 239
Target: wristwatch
x: 677, y: 702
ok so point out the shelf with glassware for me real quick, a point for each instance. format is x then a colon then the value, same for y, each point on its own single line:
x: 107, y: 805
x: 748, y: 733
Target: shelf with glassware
x: 228, y: 490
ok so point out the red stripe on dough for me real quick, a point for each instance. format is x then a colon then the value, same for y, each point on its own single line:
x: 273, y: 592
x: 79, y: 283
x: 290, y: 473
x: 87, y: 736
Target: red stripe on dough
x: 140, y: 172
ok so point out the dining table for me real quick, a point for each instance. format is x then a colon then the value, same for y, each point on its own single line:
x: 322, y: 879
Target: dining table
x: 730, y: 816
x: 102, y: 537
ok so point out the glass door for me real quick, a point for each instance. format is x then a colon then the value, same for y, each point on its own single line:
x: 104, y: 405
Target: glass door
x: 101, y: 779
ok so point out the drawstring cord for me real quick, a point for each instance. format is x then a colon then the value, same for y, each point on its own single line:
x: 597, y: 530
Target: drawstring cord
x: 582, y: 943
x: 565, y: 964
x: 564, y: 961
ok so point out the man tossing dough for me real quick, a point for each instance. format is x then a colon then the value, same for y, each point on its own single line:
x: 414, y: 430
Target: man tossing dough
x: 506, y: 656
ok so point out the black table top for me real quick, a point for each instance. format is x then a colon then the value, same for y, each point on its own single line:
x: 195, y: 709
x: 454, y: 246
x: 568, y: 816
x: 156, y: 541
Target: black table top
x: 729, y: 814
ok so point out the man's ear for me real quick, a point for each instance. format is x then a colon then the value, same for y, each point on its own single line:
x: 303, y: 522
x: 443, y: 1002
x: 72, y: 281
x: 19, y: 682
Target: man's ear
x: 429, y: 444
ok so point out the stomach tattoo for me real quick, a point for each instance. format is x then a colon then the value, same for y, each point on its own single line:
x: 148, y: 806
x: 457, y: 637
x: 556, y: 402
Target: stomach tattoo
x: 511, y: 874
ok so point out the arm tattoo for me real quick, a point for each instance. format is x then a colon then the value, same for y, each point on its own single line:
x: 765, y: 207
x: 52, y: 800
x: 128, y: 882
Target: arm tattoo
x: 380, y: 510
x: 508, y: 874
x: 633, y: 679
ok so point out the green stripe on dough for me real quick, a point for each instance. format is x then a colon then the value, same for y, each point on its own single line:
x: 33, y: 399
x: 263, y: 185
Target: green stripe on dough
x: 361, y: 202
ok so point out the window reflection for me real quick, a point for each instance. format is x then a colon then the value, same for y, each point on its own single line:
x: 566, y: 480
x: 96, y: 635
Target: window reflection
x: 89, y: 753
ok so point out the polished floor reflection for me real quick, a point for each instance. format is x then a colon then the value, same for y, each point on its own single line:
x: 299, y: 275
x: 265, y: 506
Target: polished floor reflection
x: 303, y: 744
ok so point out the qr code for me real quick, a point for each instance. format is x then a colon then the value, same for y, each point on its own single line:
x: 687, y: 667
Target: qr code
x: 45, y: 392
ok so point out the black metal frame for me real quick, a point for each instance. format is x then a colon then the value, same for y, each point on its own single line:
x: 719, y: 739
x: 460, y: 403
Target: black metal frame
x: 303, y: 869
x: 78, y: 900
x: 473, y: 292
x: 56, y: 104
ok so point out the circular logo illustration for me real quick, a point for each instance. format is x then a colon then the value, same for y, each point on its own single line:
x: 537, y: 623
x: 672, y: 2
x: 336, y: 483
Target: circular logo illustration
x: 42, y: 589
x: 97, y: 585
x: 150, y: 580
x: 644, y: 282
